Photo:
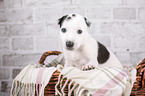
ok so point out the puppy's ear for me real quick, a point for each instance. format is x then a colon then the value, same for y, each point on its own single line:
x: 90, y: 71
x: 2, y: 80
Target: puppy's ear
x: 61, y: 20
x: 87, y: 22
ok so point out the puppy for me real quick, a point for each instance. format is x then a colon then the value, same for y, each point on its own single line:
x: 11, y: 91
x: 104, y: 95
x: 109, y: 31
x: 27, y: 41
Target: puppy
x: 80, y: 49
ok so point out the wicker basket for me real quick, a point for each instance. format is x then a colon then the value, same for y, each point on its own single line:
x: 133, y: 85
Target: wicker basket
x: 137, y: 90
x: 50, y: 88
x: 139, y: 85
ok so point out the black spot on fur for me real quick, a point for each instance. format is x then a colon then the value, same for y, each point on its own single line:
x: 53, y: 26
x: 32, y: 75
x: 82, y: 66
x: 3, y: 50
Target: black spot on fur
x: 103, y: 53
x: 61, y: 20
x: 87, y: 22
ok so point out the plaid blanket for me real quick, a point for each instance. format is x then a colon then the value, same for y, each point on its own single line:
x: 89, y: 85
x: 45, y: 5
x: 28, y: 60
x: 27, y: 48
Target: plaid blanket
x: 27, y: 81
x: 98, y: 82
x: 103, y: 81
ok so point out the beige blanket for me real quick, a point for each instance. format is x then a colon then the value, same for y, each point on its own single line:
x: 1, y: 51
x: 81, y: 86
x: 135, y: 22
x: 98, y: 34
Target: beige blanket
x: 27, y: 81
x: 98, y: 82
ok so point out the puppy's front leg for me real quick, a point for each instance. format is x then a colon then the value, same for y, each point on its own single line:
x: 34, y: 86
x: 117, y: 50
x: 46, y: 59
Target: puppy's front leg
x: 67, y: 64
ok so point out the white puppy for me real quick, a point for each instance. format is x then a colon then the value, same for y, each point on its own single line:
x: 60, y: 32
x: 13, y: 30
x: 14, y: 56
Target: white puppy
x: 80, y: 49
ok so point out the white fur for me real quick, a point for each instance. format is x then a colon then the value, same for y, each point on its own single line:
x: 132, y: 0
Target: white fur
x: 85, y: 48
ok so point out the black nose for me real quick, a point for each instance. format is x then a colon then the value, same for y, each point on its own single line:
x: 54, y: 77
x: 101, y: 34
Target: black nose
x: 69, y: 44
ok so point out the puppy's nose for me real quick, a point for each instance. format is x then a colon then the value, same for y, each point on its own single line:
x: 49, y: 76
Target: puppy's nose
x: 69, y: 44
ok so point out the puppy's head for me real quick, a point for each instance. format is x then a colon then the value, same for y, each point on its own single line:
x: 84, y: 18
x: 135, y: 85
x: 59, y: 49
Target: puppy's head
x: 73, y: 31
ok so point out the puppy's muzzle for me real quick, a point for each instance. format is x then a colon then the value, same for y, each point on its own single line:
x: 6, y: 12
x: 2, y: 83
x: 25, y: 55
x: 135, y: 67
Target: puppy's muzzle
x: 69, y: 45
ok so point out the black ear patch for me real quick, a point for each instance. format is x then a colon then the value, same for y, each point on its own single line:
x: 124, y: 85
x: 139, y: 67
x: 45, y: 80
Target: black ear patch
x: 61, y: 20
x: 87, y: 22
x: 103, y: 53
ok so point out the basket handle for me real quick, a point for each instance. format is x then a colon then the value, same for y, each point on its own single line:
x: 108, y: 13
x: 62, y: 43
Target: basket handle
x: 48, y: 53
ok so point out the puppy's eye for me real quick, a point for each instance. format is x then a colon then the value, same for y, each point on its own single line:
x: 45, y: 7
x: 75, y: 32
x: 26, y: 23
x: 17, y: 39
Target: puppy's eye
x: 79, y: 31
x: 63, y: 30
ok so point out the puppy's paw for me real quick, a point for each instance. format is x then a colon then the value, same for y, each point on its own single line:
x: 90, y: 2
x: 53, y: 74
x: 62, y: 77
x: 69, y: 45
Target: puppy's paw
x: 88, y: 67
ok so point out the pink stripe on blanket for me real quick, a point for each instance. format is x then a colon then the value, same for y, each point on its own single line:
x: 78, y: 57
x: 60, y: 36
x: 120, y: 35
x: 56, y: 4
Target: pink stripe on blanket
x: 39, y: 78
x: 111, y: 84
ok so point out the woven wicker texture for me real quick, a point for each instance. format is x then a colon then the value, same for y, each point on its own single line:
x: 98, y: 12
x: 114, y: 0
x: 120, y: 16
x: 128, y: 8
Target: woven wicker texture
x: 139, y: 85
x: 50, y: 88
x: 48, y: 53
